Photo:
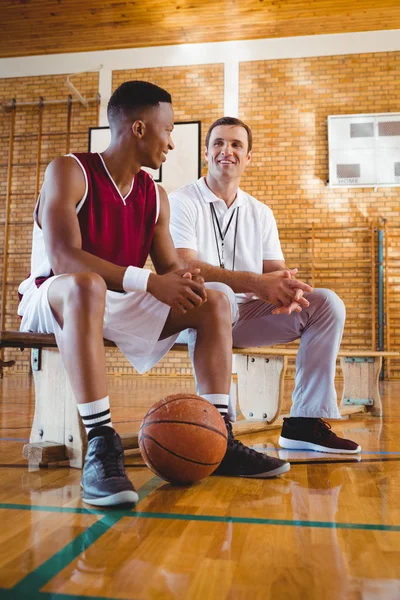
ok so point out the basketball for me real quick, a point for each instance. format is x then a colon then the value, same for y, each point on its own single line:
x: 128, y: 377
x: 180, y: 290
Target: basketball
x: 183, y: 438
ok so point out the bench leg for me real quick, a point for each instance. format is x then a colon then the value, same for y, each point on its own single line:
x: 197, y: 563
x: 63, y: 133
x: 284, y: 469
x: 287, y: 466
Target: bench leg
x: 361, y: 383
x: 4, y: 364
x: 57, y: 431
x: 260, y: 386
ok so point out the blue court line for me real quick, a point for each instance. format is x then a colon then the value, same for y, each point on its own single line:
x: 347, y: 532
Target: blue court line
x: 257, y: 446
x: 134, y: 514
x: 261, y: 446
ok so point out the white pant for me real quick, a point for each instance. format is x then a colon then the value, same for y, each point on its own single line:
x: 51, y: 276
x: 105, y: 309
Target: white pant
x: 320, y: 329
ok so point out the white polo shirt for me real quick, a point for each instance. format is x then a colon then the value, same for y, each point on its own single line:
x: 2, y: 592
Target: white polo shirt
x: 252, y: 239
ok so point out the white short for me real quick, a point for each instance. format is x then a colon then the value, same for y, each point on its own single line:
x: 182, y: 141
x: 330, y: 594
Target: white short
x: 133, y: 321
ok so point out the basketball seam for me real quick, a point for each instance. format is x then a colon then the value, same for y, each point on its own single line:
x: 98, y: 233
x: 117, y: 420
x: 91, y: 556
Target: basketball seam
x: 190, y: 396
x: 197, y: 462
x: 145, y: 424
x: 156, y: 471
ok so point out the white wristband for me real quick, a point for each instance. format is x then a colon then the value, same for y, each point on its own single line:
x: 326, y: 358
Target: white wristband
x: 135, y: 279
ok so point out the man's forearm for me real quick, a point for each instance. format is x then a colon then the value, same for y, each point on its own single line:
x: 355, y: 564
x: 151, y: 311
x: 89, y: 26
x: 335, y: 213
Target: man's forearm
x: 272, y: 266
x: 238, y: 281
x: 75, y: 260
x: 171, y: 268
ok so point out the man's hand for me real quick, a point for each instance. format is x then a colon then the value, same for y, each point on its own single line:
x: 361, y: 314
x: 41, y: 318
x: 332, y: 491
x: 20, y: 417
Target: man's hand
x: 194, y: 275
x: 178, y: 289
x: 282, y: 289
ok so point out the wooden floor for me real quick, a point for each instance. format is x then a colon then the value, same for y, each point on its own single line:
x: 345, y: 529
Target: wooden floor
x: 329, y: 529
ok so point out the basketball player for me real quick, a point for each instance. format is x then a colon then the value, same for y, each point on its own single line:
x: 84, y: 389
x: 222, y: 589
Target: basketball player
x: 97, y: 219
x: 233, y: 239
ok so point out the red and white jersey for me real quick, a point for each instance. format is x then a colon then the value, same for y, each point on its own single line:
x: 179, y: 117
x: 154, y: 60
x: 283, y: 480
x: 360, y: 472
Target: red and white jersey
x: 116, y: 228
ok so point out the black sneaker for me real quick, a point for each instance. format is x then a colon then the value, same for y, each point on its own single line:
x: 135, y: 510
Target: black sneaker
x: 300, y: 433
x: 241, y: 461
x: 104, y: 480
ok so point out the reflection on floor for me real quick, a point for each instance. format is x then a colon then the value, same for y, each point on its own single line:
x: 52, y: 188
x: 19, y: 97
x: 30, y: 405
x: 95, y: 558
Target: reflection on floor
x: 330, y: 528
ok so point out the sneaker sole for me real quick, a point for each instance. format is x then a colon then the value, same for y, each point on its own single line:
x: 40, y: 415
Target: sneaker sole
x: 275, y: 473
x: 299, y: 445
x: 126, y: 497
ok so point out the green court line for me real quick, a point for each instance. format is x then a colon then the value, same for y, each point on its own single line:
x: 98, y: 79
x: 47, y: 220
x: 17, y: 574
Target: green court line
x: 29, y: 587
x: 255, y: 521
x: 134, y: 514
x: 53, y: 596
x: 57, y: 509
x: 353, y: 461
x: 33, y: 595
x: 144, y: 491
x: 40, y: 576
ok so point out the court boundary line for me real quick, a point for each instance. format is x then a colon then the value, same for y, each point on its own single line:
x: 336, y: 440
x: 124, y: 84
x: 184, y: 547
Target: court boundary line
x: 256, y: 446
x: 363, y: 452
x: 30, y: 586
x: 9, y: 594
x: 132, y: 514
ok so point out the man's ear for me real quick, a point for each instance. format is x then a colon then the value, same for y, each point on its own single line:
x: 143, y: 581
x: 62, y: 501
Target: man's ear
x: 138, y: 128
x: 206, y: 153
x: 248, y: 158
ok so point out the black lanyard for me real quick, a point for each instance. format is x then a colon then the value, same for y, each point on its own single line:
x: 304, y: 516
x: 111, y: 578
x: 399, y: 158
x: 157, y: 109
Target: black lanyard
x: 222, y: 235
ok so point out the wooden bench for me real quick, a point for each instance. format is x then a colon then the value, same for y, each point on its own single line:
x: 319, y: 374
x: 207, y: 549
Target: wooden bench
x: 57, y: 432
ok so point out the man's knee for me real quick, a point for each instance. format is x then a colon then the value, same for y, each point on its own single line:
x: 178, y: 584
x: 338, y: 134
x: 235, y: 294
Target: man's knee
x: 229, y: 294
x: 218, y: 305
x: 86, y: 288
x: 71, y: 296
x: 329, y: 300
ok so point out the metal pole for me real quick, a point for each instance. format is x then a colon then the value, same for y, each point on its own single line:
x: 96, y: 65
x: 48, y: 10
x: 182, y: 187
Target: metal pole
x: 39, y: 148
x: 69, y: 114
x: 380, y: 289
x: 9, y: 105
x: 380, y: 294
x: 7, y: 217
x: 312, y: 254
x: 387, y: 299
x: 373, y: 289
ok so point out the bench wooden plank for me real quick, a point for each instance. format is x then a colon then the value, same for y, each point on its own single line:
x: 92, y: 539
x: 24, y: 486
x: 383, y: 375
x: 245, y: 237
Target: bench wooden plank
x: 367, y: 353
x: 19, y: 339
x: 43, y: 453
x: 59, y: 432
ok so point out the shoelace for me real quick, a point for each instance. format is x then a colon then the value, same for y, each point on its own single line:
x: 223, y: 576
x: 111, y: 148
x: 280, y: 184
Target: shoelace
x: 111, y: 458
x: 112, y: 465
x: 237, y: 446
x: 322, y: 429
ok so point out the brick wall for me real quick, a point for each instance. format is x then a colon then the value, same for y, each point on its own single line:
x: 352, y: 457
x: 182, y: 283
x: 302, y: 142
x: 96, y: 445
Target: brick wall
x: 197, y: 95
x: 197, y: 91
x: 24, y: 166
x: 287, y: 102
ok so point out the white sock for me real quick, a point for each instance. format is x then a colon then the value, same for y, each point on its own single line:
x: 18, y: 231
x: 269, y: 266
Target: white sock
x: 220, y: 401
x: 96, y: 414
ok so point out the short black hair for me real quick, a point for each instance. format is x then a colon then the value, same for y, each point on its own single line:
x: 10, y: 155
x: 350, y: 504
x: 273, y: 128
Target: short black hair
x: 231, y: 121
x: 133, y: 95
